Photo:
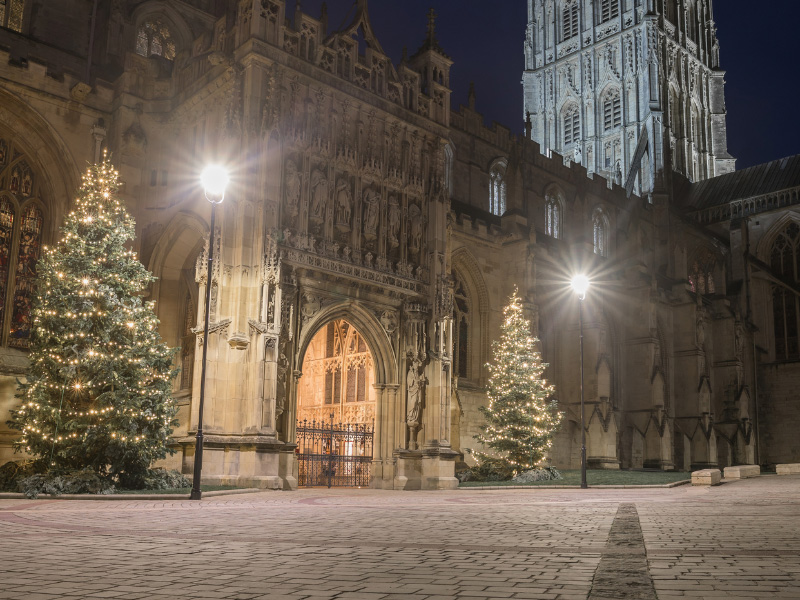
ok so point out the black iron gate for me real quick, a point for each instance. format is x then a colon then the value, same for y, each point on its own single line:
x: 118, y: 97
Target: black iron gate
x: 334, y: 454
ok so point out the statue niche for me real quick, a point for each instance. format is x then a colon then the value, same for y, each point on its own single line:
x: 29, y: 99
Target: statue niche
x: 344, y: 204
x: 292, y: 188
x: 415, y: 390
x: 319, y: 195
x: 415, y: 224
x: 394, y: 221
x: 371, y: 213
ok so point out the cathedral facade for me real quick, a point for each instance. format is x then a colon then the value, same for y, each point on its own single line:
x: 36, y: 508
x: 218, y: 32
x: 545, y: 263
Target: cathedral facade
x: 371, y: 234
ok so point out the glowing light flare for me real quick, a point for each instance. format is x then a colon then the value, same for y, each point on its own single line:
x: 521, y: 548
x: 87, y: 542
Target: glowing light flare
x: 214, y: 180
x: 580, y: 283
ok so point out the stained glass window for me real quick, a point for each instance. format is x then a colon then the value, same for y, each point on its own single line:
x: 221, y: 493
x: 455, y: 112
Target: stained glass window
x: 497, y: 190
x: 11, y: 14
x: 154, y: 37
x: 600, y: 234
x: 6, y: 233
x: 785, y: 303
x: 30, y: 244
x: 187, y: 344
x: 552, y: 217
x: 461, y: 338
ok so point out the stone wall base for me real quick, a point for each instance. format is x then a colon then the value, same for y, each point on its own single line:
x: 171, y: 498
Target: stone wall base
x: 249, y: 461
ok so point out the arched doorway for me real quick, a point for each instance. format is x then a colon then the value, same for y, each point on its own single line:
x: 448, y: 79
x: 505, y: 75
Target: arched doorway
x: 336, y: 409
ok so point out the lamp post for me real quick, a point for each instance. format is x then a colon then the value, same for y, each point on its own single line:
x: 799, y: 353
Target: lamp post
x: 580, y: 283
x: 214, y: 180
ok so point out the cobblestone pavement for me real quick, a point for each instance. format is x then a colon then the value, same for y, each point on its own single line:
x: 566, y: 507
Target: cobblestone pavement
x: 739, y: 540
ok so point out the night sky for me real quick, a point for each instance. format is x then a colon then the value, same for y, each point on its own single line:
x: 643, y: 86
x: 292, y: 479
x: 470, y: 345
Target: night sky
x: 758, y: 51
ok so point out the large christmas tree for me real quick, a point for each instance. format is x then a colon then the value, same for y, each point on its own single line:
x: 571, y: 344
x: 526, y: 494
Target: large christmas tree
x: 97, y: 394
x: 522, y: 416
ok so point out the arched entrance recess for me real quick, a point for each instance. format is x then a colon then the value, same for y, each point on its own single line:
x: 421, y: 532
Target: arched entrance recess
x: 365, y: 350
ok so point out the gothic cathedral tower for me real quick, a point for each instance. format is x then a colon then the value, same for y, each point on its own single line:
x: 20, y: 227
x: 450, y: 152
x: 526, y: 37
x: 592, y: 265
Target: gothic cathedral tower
x: 627, y: 87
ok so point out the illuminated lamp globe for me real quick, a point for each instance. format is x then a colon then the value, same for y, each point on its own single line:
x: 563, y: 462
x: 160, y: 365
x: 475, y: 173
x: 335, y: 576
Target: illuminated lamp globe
x: 214, y: 179
x: 580, y: 283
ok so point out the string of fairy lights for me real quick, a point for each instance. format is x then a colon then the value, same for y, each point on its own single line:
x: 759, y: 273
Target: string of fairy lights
x: 99, y: 372
x: 522, y: 415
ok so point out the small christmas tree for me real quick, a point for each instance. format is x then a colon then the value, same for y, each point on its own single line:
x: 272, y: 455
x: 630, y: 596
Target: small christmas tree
x: 98, y: 392
x: 522, y: 416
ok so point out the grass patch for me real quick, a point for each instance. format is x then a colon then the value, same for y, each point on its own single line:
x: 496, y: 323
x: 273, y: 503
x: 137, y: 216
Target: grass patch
x: 572, y: 477
x: 178, y: 491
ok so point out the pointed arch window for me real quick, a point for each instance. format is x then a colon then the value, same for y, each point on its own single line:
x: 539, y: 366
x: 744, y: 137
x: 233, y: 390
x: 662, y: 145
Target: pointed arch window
x: 497, y: 188
x: 600, y: 233
x: 570, y: 20
x: 11, y: 14
x: 612, y: 110
x: 785, y: 303
x: 461, y: 317
x: 572, y: 124
x: 701, y: 273
x: 21, y: 227
x: 552, y: 216
x: 154, y: 38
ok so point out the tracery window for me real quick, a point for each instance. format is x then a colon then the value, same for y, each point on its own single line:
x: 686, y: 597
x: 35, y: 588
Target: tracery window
x: 154, y: 37
x: 785, y: 303
x: 612, y: 110
x: 21, y: 225
x: 609, y: 9
x: 188, y: 337
x: 11, y: 14
x: 600, y: 233
x: 497, y: 189
x: 572, y: 124
x: 701, y: 273
x: 552, y: 216
x: 347, y: 360
x: 570, y: 20
x: 461, y: 317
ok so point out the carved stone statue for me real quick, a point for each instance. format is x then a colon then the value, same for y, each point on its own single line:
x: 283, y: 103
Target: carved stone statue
x: 394, y: 220
x: 415, y: 229
x: 344, y: 203
x: 292, y: 190
x: 415, y: 384
x: 319, y: 194
x: 738, y: 341
x: 371, y: 213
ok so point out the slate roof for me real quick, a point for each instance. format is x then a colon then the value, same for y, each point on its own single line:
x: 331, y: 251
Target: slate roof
x: 754, y: 181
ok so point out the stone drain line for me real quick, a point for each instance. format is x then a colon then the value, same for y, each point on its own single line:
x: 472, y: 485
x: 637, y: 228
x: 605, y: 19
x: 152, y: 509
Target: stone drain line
x: 622, y: 573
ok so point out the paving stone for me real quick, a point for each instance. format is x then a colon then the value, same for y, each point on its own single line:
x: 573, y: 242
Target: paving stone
x: 738, y: 540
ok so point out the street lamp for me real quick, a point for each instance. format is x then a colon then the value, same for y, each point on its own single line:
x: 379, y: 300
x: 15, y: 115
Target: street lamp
x: 214, y: 180
x: 580, y: 283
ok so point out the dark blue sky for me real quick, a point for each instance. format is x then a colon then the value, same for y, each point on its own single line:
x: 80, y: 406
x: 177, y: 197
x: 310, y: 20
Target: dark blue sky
x: 484, y: 39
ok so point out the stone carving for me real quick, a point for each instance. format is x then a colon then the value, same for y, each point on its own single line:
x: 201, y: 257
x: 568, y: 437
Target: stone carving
x: 394, y: 221
x: 319, y: 195
x: 344, y: 204
x: 311, y: 306
x: 371, y: 213
x: 415, y: 220
x: 415, y: 390
x: 389, y: 321
x: 738, y: 341
x: 292, y: 190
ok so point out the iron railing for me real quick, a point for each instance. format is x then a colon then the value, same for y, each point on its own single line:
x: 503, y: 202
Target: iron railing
x: 334, y: 454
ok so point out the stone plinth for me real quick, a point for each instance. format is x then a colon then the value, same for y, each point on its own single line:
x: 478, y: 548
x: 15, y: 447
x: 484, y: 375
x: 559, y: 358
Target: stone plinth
x: 707, y: 477
x: 788, y: 469
x: 742, y: 471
